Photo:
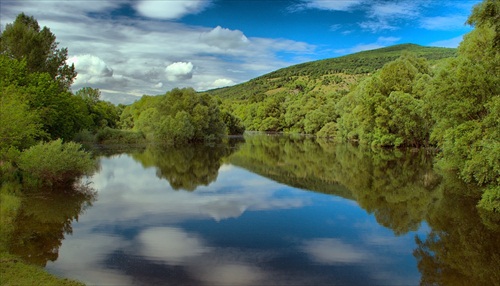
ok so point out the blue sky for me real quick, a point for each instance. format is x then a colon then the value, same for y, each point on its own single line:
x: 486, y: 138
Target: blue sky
x: 128, y: 48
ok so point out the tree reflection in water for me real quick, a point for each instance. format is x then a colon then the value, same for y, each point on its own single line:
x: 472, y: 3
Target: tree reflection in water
x: 398, y: 187
x: 188, y: 166
x: 44, y: 218
x: 402, y: 189
x: 463, y: 246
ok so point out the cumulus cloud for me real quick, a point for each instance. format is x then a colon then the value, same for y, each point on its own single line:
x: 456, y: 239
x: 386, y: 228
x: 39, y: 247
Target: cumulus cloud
x: 91, y: 69
x: 179, y: 71
x: 221, y: 82
x: 129, y: 47
x: 334, y: 251
x: 225, y: 38
x: 170, y: 9
x: 171, y: 245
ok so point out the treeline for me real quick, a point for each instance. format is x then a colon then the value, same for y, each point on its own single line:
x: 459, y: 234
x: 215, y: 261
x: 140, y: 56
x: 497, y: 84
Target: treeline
x: 179, y: 116
x: 40, y: 114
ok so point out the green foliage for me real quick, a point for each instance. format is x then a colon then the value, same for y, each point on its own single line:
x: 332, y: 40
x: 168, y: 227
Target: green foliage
x: 55, y: 162
x: 328, y: 131
x: 181, y: 115
x: 460, y: 249
x: 464, y: 102
x: 13, y: 271
x: 103, y: 114
x: 233, y: 124
x: 19, y: 127
x: 399, y: 188
x: 303, y: 98
x: 386, y: 109
x: 331, y: 71
x: 24, y: 39
x: 186, y: 167
x: 118, y: 136
x: 490, y: 200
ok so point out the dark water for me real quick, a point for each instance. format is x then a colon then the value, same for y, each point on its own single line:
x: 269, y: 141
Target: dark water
x: 269, y: 210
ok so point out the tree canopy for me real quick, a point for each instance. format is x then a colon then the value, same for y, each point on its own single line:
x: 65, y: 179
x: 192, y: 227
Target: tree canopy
x: 24, y: 40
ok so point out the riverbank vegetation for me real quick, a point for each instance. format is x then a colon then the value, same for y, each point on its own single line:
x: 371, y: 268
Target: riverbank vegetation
x: 395, y: 97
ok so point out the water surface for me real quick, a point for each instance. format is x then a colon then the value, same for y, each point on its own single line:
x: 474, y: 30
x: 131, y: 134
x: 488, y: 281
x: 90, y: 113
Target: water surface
x: 271, y: 210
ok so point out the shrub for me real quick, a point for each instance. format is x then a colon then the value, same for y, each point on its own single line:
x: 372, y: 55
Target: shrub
x: 110, y: 135
x: 490, y: 200
x: 55, y: 162
x: 328, y: 131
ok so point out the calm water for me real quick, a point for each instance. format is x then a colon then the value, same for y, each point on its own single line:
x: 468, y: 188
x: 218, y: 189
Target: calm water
x: 267, y: 210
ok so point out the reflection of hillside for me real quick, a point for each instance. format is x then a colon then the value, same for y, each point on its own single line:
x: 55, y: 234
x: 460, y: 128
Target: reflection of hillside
x: 186, y: 167
x: 397, y: 187
x: 45, y: 216
x: 296, y: 162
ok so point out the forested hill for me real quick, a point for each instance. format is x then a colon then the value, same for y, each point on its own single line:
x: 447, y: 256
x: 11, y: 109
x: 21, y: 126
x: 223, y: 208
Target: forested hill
x: 347, y: 69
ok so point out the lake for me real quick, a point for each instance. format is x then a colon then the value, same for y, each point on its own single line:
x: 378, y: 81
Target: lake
x: 262, y: 210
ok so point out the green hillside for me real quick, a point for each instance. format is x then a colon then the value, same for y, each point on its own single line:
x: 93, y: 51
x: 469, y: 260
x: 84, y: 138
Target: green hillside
x: 303, y: 98
x: 341, y: 71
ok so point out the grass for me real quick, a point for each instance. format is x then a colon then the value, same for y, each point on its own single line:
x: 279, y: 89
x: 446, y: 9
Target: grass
x: 14, y: 271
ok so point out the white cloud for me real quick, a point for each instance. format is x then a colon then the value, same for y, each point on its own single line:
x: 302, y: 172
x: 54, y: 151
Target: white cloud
x: 171, y: 245
x: 91, y: 69
x: 220, y: 82
x: 339, y: 5
x: 225, y: 38
x: 170, y: 9
x: 136, y: 49
x: 449, y: 43
x: 179, y: 71
x: 383, y: 16
x: 375, y: 26
x: 401, y: 9
x: 334, y: 251
x: 446, y: 23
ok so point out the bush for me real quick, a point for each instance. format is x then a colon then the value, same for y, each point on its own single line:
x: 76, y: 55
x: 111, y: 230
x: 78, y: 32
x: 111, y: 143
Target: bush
x: 328, y: 131
x: 55, y: 162
x: 109, y: 135
x: 490, y: 200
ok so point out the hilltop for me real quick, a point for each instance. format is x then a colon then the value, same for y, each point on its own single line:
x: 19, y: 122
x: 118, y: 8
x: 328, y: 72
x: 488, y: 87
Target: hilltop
x: 320, y: 75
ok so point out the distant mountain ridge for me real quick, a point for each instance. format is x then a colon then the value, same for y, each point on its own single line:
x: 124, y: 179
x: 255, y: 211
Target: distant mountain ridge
x: 347, y: 68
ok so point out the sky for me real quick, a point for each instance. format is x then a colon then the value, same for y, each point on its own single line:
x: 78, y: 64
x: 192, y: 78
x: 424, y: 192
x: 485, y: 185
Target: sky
x: 128, y: 48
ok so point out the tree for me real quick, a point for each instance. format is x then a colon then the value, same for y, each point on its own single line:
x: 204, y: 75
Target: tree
x: 18, y: 126
x: 386, y: 109
x: 464, y: 100
x: 24, y: 40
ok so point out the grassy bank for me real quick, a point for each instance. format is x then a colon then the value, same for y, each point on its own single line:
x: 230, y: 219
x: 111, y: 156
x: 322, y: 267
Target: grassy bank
x: 13, y: 271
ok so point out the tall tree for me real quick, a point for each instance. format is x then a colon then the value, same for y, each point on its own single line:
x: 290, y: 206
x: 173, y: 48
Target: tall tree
x: 24, y: 40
